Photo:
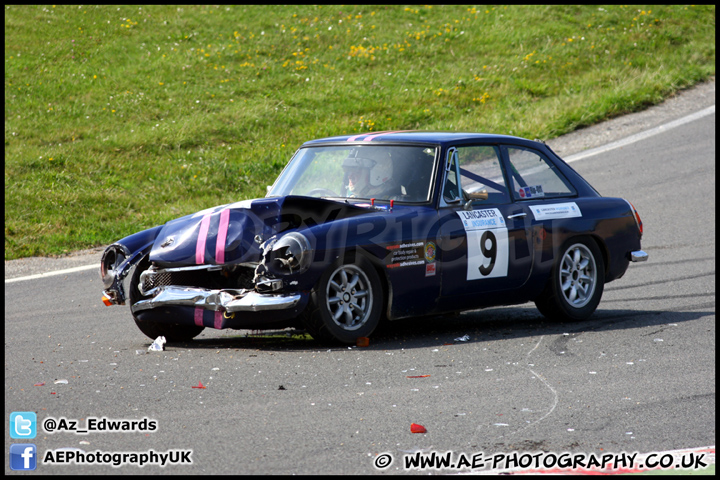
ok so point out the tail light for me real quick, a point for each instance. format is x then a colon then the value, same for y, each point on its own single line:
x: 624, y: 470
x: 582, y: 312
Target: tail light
x: 637, y: 218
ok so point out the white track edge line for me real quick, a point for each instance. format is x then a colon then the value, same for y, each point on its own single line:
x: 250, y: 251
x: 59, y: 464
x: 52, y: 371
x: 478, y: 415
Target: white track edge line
x: 51, y: 274
x: 642, y: 135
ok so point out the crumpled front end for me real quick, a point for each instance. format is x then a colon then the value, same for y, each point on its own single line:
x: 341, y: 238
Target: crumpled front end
x: 118, y: 260
x: 211, y: 287
x: 243, y: 265
x: 211, y: 295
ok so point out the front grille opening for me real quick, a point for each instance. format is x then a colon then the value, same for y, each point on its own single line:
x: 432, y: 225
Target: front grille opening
x: 237, y: 278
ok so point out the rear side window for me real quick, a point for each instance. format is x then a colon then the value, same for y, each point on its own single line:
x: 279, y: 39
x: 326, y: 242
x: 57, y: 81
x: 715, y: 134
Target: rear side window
x: 534, y: 176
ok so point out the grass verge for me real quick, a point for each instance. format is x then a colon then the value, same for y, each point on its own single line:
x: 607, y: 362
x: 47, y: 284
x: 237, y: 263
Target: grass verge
x: 119, y: 118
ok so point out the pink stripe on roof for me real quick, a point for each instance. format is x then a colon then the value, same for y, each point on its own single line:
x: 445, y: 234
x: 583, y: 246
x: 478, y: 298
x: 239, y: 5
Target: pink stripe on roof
x: 218, y: 324
x: 374, y: 135
x: 222, y: 236
x: 202, y: 238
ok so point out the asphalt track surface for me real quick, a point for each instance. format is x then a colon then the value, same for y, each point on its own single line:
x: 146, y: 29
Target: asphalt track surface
x: 638, y: 376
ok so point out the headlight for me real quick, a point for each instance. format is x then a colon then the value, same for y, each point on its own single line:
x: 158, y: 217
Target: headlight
x: 112, y: 258
x: 290, y: 253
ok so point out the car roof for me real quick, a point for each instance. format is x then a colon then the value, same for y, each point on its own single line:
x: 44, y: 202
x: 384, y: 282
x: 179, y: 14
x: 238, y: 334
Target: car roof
x: 450, y: 139
x: 415, y: 136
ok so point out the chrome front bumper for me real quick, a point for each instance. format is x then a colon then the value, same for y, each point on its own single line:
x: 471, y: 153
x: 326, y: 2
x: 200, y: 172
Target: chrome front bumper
x: 638, y: 256
x: 219, y: 300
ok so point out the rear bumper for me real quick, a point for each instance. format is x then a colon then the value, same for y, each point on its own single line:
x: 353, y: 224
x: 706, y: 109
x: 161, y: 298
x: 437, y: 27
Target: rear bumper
x: 638, y: 256
x: 225, y: 300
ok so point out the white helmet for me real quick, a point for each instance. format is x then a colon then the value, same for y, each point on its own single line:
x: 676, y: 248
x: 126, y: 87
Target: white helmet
x: 374, y: 158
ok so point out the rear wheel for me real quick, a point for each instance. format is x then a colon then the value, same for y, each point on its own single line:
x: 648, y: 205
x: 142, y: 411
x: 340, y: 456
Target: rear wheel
x: 576, y: 284
x: 171, y: 332
x: 346, y: 304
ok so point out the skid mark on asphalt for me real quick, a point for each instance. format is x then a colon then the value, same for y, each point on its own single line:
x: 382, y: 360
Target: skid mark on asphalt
x: 659, y: 297
x: 552, y: 409
x: 535, y: 347
x: 660, y: 282
x: 547, y: 384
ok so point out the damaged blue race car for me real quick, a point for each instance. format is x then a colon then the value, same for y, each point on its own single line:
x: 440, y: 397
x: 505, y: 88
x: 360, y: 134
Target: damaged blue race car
x: 368, y: 228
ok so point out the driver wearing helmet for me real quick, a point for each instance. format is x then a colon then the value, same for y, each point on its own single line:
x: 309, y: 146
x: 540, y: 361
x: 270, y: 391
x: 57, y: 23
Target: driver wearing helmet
x: 369, y: 173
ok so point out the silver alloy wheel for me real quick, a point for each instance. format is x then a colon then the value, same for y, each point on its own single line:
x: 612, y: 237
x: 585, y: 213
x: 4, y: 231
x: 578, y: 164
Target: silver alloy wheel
x: 349, y: 297
x: 578, y: 275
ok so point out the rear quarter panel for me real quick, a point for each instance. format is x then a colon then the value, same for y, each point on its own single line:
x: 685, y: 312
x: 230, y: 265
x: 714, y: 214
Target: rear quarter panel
x: 609, y: 221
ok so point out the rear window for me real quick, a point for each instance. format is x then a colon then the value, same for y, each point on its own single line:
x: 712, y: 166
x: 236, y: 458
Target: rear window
x: 534, y: 176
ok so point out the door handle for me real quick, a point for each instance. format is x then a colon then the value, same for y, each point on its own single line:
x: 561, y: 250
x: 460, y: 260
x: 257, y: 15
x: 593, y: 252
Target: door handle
x: 518, y: 215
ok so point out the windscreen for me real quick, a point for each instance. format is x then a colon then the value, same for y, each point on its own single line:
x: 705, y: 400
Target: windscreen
x: 400, y: 173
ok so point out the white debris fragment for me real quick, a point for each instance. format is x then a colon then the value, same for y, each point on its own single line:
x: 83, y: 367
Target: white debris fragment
x: 157, y: 345
x: 59, y: 382
x: 464, y: 338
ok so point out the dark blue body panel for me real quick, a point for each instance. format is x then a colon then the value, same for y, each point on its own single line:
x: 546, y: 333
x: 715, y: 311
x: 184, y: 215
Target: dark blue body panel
x: 431, y: 257
x: 246, y: 220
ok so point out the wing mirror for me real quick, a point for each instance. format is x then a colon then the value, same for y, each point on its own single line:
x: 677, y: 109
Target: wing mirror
x: 471, y: 197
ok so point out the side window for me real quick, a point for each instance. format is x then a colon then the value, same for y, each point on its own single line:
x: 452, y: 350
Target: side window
x: 533, y: 176
x: 481, y: 174
x: 451, y: 190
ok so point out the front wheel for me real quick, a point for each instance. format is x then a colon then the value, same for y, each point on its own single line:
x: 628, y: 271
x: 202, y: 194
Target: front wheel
x: 171, y: 332
x: 346, y: 304
x: 576, y: 283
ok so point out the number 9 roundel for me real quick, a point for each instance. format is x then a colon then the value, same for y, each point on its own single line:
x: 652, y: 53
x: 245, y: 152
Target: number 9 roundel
x: 487, y: 243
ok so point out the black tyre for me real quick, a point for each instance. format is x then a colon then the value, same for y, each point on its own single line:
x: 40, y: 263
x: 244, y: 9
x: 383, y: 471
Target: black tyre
x: 576, y: 283
x: 171, y: 332
x: 347, y: 302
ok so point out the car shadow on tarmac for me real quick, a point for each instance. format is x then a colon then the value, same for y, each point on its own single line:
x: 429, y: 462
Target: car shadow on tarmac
x: 467, y: 327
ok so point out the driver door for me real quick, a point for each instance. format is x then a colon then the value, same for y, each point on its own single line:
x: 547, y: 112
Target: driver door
x: 486, y: 238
